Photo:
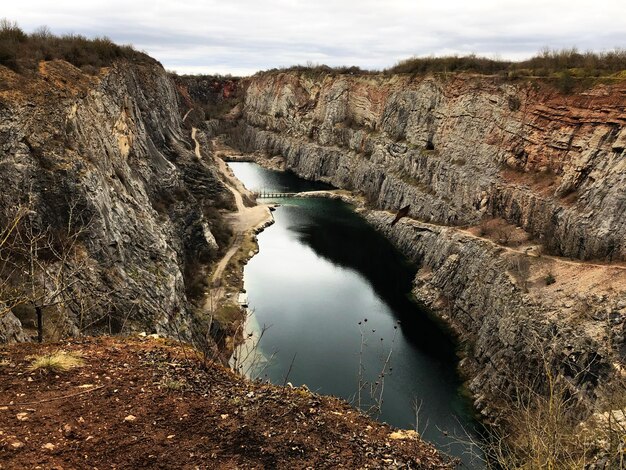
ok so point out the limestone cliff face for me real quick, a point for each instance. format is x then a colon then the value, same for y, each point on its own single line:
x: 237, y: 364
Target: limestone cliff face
x: 510, y: 329
x: 109, y: 152
x: 457, y: 149
x: 461, y: 150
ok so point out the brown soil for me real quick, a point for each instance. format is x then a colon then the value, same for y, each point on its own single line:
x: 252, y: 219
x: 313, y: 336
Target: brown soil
x: 150, y: 403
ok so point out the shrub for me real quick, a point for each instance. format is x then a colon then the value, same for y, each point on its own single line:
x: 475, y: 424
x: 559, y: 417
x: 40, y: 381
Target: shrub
x: 565, y: 83
x: 312, y: 69
x: 22, y: 52
x: 514, y: 103
x: 556, y: 63
x: 471, y: 63
x: 10, y: 31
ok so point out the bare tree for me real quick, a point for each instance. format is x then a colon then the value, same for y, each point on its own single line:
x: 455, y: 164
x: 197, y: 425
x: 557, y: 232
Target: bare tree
x: 45, y: 268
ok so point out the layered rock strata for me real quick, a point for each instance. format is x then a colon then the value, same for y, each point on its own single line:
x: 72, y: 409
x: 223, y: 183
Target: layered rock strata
x: 457, y: 149
x: 463, y: 151
x: 106, y: 156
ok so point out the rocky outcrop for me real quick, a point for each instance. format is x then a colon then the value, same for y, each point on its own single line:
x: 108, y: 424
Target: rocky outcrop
x: 456, y: 149
x: 205, y: 98
x: 11, y: 329
x: 461, y: 150
x: 106, y: 157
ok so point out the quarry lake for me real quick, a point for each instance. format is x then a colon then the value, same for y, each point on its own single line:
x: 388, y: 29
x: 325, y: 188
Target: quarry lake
x: 333, y: 295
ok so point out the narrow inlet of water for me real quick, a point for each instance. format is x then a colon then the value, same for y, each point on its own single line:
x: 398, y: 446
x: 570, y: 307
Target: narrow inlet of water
x: 333, y: 298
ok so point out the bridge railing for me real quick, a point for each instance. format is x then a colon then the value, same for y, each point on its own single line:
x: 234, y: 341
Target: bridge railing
x: 263, y: 194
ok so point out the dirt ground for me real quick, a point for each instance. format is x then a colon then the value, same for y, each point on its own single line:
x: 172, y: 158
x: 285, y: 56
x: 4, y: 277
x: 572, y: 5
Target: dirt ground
x: 150, y: 403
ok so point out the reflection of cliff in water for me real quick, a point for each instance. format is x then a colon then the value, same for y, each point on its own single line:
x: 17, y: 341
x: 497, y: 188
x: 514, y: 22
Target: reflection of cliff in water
x: 337, y: 234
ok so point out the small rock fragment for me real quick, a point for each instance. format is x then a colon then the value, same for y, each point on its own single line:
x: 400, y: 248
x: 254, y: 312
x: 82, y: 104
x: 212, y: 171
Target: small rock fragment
x: 68, y: 430
x: 130, y: 419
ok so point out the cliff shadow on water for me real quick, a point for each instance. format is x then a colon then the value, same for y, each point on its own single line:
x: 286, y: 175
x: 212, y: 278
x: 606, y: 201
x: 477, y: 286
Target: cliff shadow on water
x: 340, y: 236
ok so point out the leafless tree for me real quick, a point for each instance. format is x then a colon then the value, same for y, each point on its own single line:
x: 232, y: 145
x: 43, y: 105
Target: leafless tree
x: 46, y: 268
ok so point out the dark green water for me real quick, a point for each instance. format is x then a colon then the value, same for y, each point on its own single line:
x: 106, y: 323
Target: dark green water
x: 320, y: 271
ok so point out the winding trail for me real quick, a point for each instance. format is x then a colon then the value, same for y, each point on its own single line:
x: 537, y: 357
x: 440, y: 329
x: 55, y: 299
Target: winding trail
x: 244, y: 222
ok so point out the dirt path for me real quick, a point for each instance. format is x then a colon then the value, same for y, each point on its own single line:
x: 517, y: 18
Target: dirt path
x: 244, y: 222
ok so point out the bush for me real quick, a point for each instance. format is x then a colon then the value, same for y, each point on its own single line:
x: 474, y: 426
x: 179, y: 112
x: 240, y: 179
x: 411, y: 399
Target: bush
x: 22, y: 52
x: 566, y: 65
x: 312, y: 69
x: 514, y: 103
x: 565, y: 83
x: 471, y: 63
x: 10, y: 31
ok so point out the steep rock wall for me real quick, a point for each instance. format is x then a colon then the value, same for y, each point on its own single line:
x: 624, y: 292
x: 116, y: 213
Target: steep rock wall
x: 509, y: 328
x: 461, y: 150
x: 457, y: 149
x: 109, y: 152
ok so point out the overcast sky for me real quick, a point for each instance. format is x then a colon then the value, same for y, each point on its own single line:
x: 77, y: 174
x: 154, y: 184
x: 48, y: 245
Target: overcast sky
x: 243, y: 36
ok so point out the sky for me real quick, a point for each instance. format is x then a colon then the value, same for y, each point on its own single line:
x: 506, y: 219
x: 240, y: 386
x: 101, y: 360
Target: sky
x: 241, y: 37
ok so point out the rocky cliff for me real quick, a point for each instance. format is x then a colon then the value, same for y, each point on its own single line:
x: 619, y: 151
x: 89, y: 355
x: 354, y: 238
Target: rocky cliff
x: 496, y: 173
x: 103, y: 161
x: 457, y: 149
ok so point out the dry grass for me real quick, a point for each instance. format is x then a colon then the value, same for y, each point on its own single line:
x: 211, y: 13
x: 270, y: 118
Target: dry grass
x: 60, y: 361
x: 174, y: 385
x: 228, y: 313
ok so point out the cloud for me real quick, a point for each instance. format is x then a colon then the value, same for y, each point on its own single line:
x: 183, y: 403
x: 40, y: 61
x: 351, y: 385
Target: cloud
x: 242, y: 36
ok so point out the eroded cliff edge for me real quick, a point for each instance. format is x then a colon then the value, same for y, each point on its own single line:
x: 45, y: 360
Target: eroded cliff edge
x: 103, y: 161
x: 504, y: 180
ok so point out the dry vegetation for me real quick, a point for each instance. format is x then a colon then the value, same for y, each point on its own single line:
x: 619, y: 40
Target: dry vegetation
x: 313, y: 69
x: 567, y: 68
x: 501, y: 232
x: 59, y: 361
x: 45, y: 272
x: 546, y: 63
x: 22, y: 52
x: 543, y: 430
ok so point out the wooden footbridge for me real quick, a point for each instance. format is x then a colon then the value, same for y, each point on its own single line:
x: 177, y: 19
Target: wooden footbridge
x: 272, y: 194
